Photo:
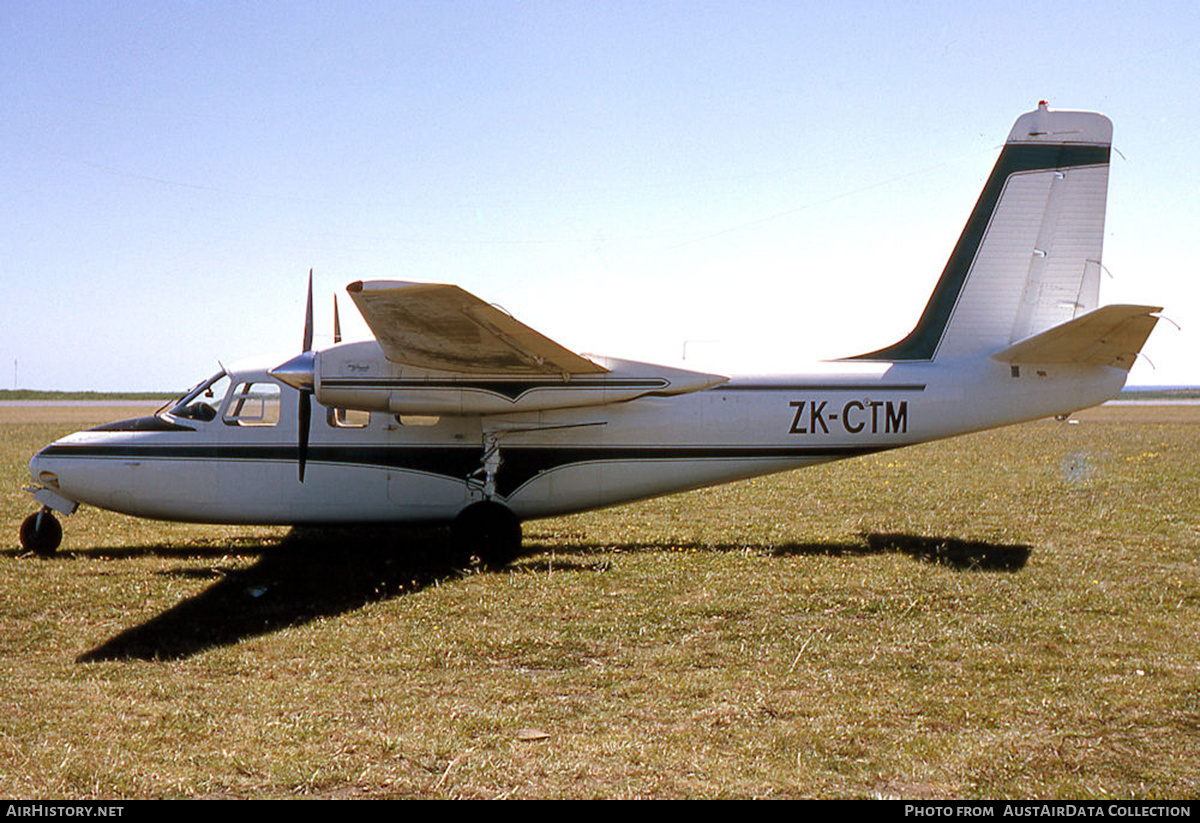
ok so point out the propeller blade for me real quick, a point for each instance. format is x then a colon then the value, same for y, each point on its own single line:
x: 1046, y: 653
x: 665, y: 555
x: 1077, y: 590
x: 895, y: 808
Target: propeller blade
x: 305, y: 418
x: 308, y: 317
x: 303, y: 382
x: 337, y: 324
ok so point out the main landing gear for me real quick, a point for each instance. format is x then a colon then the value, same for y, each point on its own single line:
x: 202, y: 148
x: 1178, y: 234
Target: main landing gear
x: 41, y: 533
x: 487, y: 532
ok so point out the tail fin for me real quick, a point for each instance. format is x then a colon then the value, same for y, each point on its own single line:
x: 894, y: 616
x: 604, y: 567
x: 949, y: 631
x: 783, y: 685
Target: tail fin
x: 1029, y: 256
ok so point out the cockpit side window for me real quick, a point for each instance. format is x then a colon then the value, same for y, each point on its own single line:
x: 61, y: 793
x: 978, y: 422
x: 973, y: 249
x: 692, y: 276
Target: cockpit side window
x: 203, y: 402
x: 253, y: 404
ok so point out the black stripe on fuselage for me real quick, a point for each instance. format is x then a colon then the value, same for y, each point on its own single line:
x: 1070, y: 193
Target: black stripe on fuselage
x: 520, y: 464
x: 809, y: 387
x: 922, y: 342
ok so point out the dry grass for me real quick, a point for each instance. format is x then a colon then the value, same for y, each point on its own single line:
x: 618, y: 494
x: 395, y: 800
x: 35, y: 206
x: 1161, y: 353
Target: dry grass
x: 1015, y: 613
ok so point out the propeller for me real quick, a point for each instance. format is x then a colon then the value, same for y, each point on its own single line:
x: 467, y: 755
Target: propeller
x: 299, y: 374
x: 337, y: 324
x: 304, y: 418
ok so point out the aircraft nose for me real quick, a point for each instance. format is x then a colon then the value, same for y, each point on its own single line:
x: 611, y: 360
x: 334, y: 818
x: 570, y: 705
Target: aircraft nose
x: 41, y: 469
x: 47, y: 488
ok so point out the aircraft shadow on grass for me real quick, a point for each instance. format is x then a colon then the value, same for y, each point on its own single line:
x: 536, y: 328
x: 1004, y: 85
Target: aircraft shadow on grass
x: 315, y: 573
x: 311, y: 573
x: 964, y: 555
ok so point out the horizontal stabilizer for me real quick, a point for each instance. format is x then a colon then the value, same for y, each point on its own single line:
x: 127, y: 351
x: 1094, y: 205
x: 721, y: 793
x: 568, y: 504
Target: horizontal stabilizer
x: 436, y: 326
x: 1110, y: 336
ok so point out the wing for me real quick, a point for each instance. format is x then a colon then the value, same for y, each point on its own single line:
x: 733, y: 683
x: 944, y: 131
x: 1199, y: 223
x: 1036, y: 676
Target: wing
x: 436, y: 326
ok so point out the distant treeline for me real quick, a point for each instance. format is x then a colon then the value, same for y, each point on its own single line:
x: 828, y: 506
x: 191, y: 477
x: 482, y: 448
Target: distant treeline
x: 32, y: 394
x: 1161, y: 393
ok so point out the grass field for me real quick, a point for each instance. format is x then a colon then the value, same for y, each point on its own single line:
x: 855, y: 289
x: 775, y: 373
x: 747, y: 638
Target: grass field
x: 1010, y: 614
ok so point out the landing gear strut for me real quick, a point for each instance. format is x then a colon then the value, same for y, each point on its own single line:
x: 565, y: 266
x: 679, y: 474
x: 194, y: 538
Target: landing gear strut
x: 41, y: 533
x: 488, y: 531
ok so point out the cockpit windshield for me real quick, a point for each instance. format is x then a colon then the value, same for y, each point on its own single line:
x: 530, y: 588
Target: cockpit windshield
x: 204, y: 401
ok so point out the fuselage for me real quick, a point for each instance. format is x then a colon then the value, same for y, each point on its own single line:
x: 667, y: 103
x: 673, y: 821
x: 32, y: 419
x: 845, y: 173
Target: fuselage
x: 239, y: 466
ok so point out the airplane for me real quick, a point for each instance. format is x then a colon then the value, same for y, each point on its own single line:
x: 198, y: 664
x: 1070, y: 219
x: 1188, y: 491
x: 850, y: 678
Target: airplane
x: 457, y: 413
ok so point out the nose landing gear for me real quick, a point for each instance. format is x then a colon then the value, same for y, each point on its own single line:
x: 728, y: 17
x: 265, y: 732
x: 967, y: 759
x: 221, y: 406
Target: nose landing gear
x: 41, y: 533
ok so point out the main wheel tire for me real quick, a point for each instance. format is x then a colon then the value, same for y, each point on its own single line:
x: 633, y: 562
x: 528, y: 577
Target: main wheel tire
x: 41, y: 533
x: 487, y: 533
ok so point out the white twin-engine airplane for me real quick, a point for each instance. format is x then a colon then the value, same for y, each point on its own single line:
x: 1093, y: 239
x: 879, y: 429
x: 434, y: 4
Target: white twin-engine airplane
x: 456, y: 413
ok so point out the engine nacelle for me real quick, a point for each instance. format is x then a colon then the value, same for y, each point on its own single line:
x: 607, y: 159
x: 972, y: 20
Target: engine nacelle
x: 358, y: 376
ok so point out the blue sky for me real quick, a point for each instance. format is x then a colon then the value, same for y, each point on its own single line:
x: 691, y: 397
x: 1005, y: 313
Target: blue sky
x: 772, y: 183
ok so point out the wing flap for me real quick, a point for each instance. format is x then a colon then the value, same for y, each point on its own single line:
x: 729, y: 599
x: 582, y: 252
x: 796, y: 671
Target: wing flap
x: 438, y: 326
x: 1109, y: 336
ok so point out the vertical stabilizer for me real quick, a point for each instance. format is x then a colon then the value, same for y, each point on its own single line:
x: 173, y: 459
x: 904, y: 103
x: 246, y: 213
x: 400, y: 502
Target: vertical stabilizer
x: 1029, y: 256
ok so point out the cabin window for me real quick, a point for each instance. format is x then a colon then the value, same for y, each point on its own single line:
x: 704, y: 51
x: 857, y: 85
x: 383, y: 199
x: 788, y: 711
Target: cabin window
x: 418, y: 419
x: 253, y: 404
x: 347, y: 418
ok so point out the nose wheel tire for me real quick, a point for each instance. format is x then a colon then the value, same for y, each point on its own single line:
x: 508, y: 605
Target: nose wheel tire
x: 41, y: 533
x: 486, y: 532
